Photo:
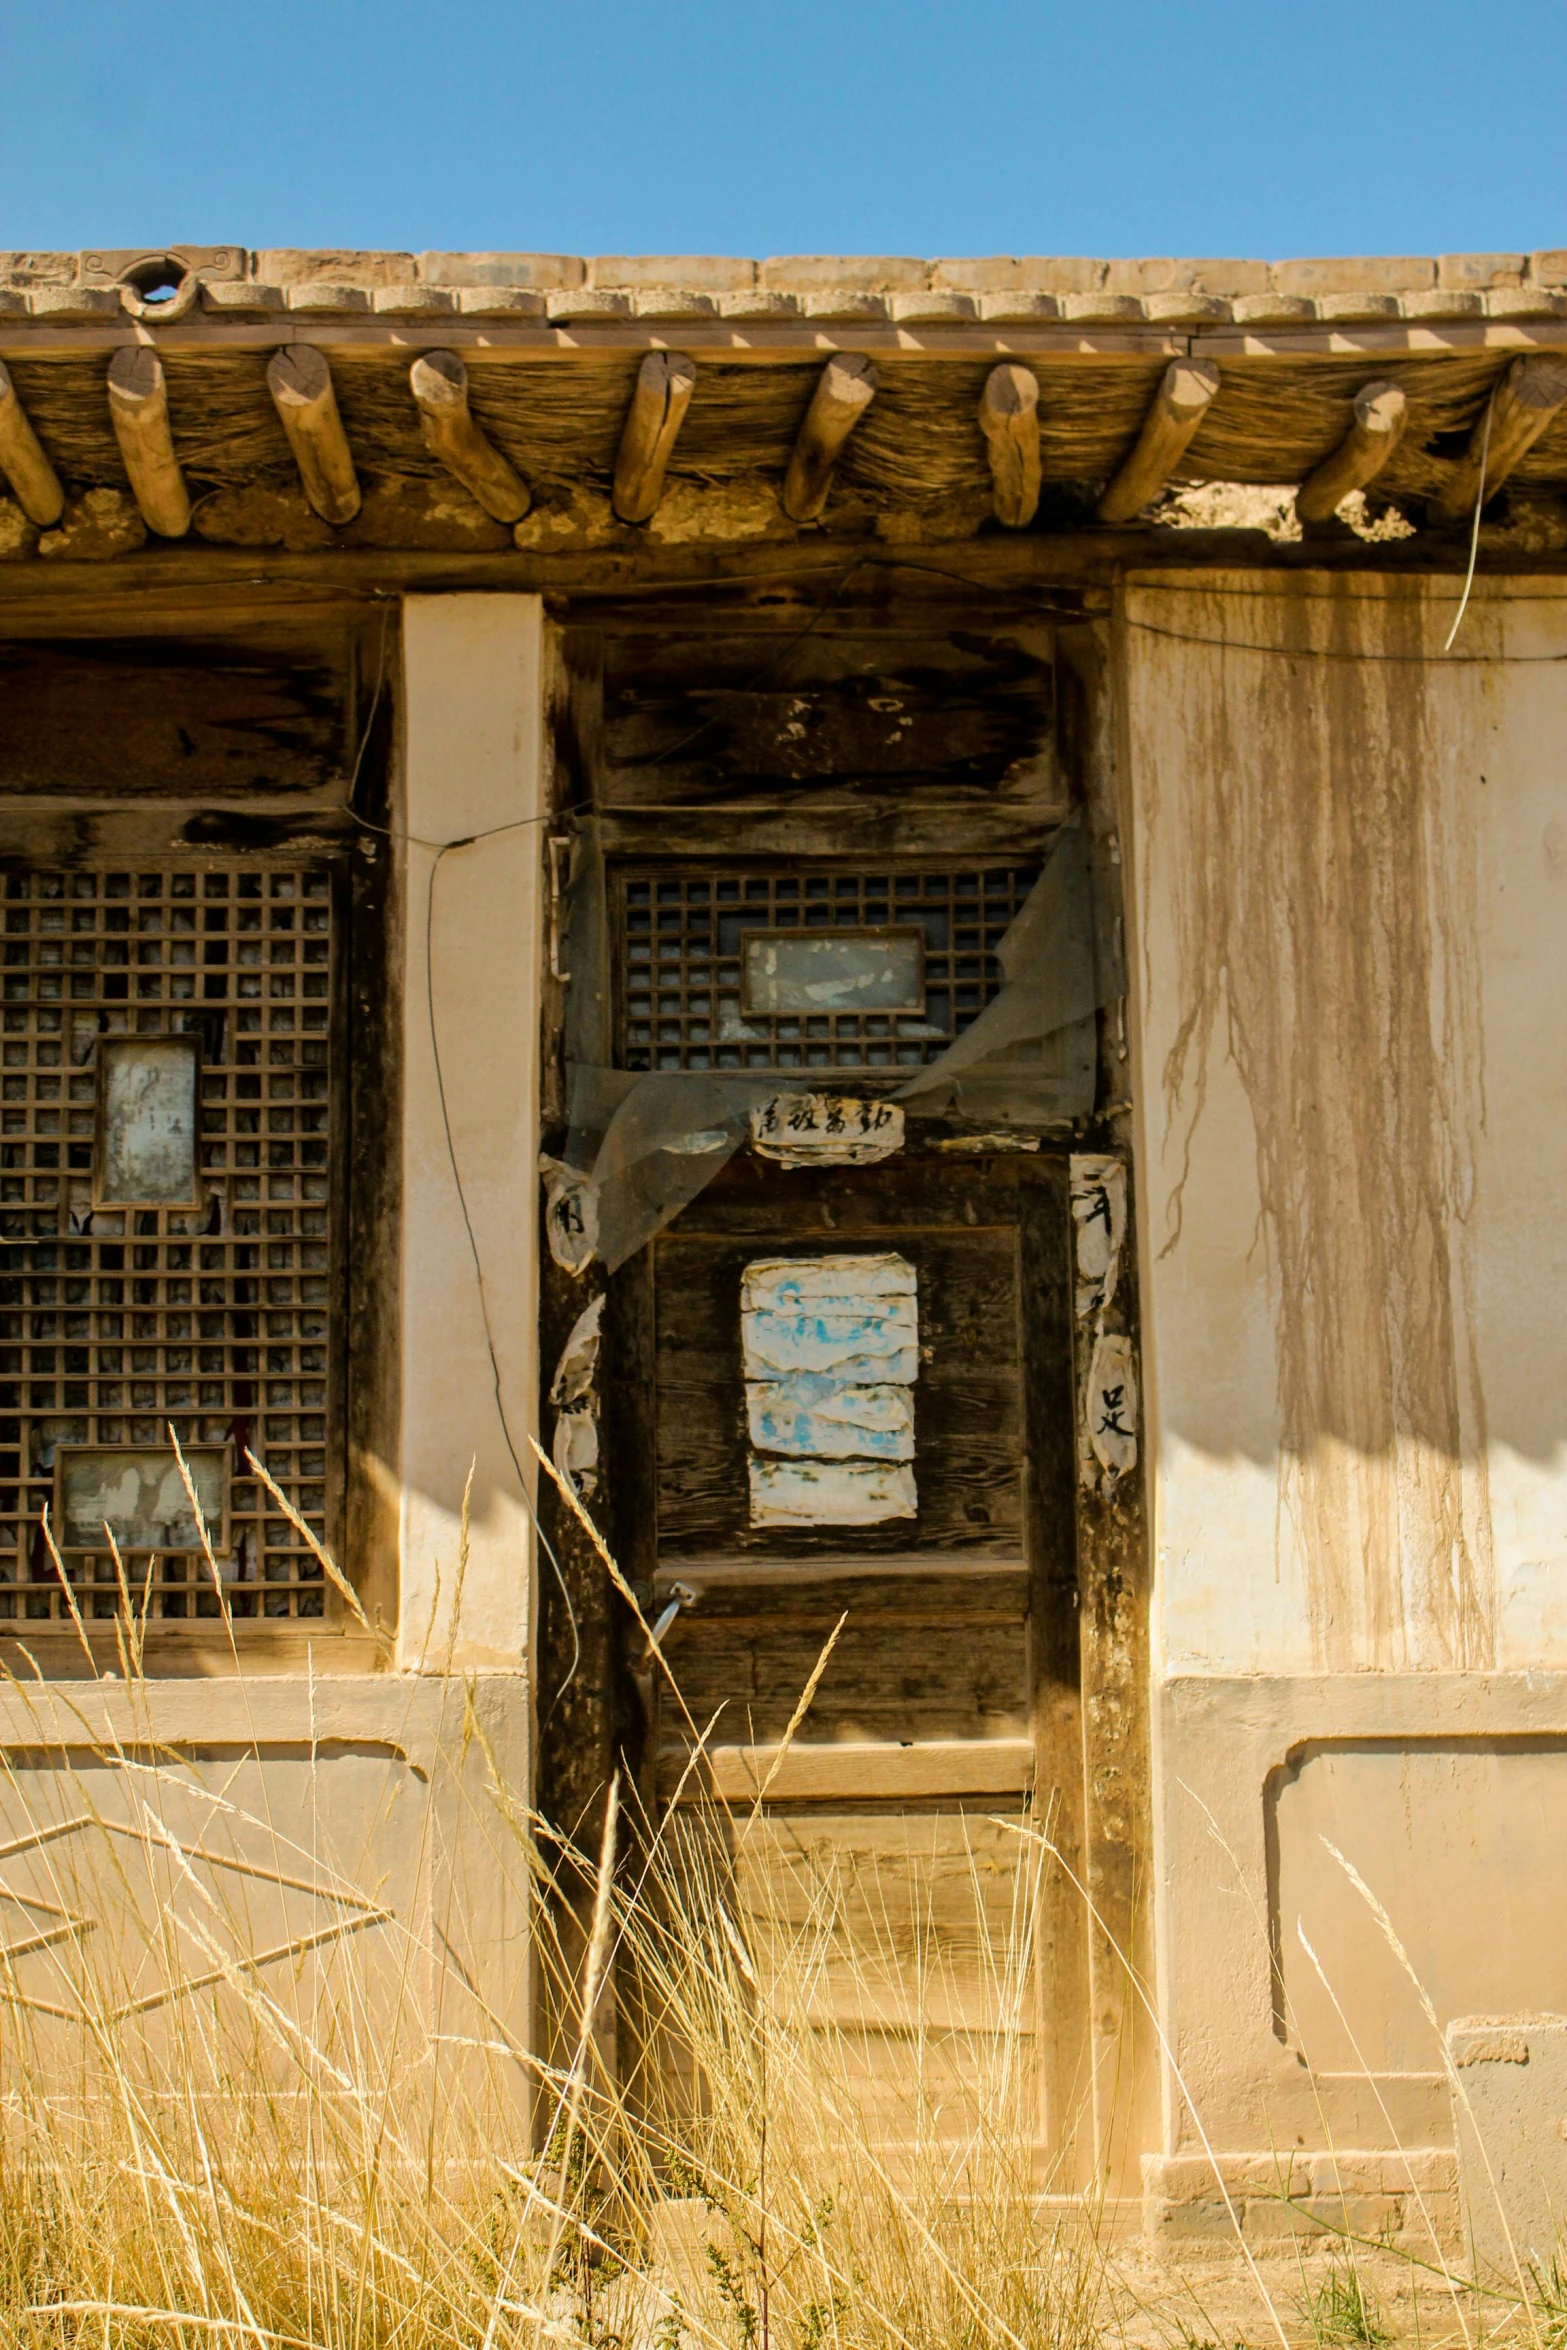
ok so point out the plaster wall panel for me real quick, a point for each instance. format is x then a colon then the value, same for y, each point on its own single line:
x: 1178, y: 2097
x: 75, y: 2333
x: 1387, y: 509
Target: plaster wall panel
x: 473, y: 767
x: 1458, y: 1838
x: 231, y: 1873
x: 1350, y: 878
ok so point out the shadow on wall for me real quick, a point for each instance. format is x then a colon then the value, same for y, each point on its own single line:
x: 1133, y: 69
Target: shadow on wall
x: 1353, y: 890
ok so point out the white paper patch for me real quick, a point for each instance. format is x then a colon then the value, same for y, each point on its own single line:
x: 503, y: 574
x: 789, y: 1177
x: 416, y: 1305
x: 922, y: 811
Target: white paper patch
x: 831, y: 1352
x: 825, y: 1130
x: 821, y: 1416
x: 830, y: 1493
x: 1099, y: 1213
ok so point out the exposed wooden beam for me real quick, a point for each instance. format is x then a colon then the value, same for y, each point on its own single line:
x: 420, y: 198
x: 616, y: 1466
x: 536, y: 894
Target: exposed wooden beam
x: 1185, y: 394
x: 1521, y: 407
x: 300, y: 382
x: 844, y: 390
x: 34, y: 482
x: 665, y: 382
x: 440, y: 389
x: 139, y: 412
x: 1380, y: 414
x: 1009, y: 420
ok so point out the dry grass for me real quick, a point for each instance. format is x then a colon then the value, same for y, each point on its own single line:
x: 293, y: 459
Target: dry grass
x: 249, y: 2095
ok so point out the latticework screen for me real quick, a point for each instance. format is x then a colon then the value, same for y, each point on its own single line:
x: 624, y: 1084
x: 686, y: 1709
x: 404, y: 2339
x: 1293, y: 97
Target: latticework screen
x: 681, y: 962
x: 213, y: 1319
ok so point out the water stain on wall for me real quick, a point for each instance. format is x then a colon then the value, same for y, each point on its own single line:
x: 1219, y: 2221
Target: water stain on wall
x: 1316, y: 811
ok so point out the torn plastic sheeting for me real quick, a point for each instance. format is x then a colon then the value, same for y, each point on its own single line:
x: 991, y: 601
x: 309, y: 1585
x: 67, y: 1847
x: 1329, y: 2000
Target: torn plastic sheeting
x: 1032, y: 1050
x: 661, y: 1144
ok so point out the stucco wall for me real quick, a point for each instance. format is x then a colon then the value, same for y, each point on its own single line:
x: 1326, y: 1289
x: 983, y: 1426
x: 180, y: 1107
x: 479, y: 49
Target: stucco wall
x: 1351, y: 889
x: 1348, y: 870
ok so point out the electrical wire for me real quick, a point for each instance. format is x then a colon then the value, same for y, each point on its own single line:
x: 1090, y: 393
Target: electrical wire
x: 443, y: 849
x: 1474, y: 536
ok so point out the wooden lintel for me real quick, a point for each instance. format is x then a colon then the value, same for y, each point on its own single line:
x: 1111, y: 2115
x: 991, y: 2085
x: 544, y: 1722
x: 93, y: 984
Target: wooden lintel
x: 1380, y: 414
x: 665, y: 382
x: 1186, y: 391
x: 300, y: 382
x: 1518, y: 412
x: 139, y: 412
x: 844, y: 390
x: 1009, y: 420
x: 34, y: 483
x: 439, y: 382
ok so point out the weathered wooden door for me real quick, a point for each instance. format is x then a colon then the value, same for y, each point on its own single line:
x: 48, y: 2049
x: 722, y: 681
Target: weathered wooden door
x: 945, y: 1723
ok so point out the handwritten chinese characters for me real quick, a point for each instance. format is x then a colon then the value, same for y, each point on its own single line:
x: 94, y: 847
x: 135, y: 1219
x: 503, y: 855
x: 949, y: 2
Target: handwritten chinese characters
x: 825, y: 1130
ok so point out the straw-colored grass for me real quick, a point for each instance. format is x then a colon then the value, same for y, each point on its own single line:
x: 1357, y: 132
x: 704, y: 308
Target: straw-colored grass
x: 248, y: 2098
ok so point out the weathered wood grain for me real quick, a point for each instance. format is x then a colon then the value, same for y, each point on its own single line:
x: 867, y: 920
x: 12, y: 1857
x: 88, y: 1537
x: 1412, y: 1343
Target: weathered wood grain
x: 1009, y: 420
x: 34, y: 482
x: 665, y: 382
x: 139, y: 412
x: 1186, y: 392
x: 439, y: 382
x: 300, y: 382
x: 172, y: 717
x: 1522, y: 407
x: 846, y: 389
x: 1380, y: 414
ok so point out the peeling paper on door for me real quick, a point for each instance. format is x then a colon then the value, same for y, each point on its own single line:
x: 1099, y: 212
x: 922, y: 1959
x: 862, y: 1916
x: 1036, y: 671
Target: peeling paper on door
x: 831, y: 1352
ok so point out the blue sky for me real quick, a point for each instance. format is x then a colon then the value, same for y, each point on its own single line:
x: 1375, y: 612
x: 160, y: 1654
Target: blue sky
x: 748, y: 126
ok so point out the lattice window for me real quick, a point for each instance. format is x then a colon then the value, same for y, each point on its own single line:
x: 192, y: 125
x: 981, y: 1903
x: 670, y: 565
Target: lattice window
x: 118, y: 1322
x: 688, y: 942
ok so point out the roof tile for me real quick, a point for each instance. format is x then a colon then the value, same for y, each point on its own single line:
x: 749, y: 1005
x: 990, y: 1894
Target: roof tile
x: 240, y: 297
x: 540, y: 272
x: 1010, y: 274
x: 414, y: 301
x: 1221, y: 278
x: 587, y: 303
x: 758, y: 302
x: 66, y: 303
x: 673, y: 301
x: 325, y: 298
x: 1019, y: 309
x: 933, y: 309
x: 1362, y: 274
x: 1481, y: 270
x: 292, y: 265
x: 1347, y: 309
x: 844, y: 305
x: 1272, y: 309
x: 861, y: 273
x: 1445, y: 302
x: 696, y: 273
x: 38, y: 269
x: 1101, y: 309
x: 500, y: 302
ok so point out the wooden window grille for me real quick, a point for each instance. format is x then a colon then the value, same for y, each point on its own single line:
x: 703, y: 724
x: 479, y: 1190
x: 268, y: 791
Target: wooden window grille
x: 680, y: 961
x: 116, y: 1325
